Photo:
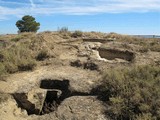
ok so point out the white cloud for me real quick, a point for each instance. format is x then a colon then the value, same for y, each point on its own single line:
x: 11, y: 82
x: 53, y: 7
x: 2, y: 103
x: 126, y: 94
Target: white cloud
x: 32, y: 3
x: 76, y: 7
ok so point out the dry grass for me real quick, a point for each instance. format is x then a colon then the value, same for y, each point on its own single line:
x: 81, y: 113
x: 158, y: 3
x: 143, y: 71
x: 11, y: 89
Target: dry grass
x: 132, y: 92
x: 17, y: 58
x: 146, y: 44
x: 22, y: 52
x: 77, y: 34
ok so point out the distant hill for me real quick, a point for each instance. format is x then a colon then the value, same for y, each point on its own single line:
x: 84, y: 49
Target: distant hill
x: 147, y: 36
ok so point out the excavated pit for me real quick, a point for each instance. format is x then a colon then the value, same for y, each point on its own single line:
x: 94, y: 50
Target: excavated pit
x: 24, y: 103
x: 111, y: 54
x: 51, y: 102
x: 55, y: 92
x: 57, y: 85
x: 54, y: 84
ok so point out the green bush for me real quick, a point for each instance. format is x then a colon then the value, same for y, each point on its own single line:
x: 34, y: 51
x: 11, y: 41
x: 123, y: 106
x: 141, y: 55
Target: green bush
x: 27, y: 24
x: 77, y: 34
x: 132, y: 92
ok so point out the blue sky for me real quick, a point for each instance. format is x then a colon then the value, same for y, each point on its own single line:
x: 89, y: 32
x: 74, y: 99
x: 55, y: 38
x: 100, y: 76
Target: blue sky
x: 121, y: 16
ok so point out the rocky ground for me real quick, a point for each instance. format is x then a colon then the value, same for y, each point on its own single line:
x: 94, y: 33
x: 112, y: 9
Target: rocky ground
x: 61, y: 86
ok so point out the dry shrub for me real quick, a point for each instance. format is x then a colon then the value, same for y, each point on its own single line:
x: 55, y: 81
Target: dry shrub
x: 26, y: 65
x: 18, y: 58
x: 77, y: 34
x: 42, y: 55
x: 132, y: 92
x: 85, y: 65
x: 64, y: 32
x: 2, y: 70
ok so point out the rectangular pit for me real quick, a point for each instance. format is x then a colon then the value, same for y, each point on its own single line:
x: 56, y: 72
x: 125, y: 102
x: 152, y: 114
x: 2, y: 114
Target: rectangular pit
x: 111, y: 54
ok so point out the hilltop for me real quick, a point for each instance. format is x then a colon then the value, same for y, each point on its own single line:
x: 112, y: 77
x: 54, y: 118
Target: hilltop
x: 78, y: 75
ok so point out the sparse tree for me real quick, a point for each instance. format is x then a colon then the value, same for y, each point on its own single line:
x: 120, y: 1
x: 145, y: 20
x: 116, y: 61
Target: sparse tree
x: 27, y: 24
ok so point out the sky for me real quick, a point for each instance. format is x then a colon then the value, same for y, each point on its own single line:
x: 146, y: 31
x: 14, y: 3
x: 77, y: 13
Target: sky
x: 134, y: 17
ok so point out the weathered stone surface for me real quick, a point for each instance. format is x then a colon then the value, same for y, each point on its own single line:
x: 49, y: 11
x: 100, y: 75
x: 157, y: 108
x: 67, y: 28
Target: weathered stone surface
x: 81, y: 107
x: 9, y: 109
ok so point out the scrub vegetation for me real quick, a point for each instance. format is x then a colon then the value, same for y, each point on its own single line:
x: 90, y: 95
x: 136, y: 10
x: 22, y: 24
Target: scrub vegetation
x: 132, y: 93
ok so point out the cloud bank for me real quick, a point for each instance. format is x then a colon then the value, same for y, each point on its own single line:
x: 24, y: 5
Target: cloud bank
x: 19, y: 8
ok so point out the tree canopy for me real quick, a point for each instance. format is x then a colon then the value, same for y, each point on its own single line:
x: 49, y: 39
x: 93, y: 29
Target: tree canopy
x: 27, y: 24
